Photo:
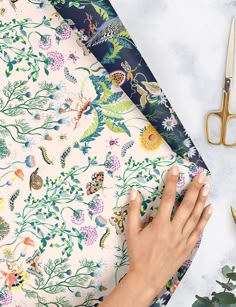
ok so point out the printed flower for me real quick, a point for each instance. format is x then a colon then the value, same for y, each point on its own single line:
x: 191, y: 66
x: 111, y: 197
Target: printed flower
x: 63, y: 32
x: 192, y: 152
x: 100, y: 287
x: 96, y: 206
x: 20, y: 279
x: 112, y: 164
x: 5, y: 297
x: 197, y: 245
x: 2, y: 203
x: 169, y: 123
x: 150, y: 139
x: 173, y: 288
x: 64, y: 121
x: 60, y: 86
x: 37, y: 116
x: 56, y: 60
x: 181, y: 181
x: 161, y: 98
x: 100, y: 221
x: 19, y: 174
x: 187, y: 142
x: 28, y: 241
x: 77, y: 217
x: 29, y: 161
x: 89, y: 234
x: 8, y: 253
x: 194, y: 169
x: 187, y: 263
x: 45, y: 42
x: 29, y: 143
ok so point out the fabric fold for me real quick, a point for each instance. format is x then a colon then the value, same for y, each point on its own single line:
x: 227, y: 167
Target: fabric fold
x: 101, y: 30
x: 72, y: 145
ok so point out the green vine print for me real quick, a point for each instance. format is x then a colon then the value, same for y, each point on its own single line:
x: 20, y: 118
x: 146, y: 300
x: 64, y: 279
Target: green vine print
x: 122, y: 259
x: 106, y: 109
x: 19, y: 103
x: 59, y: 278
x: 44, y: 218
x: 24, y: 55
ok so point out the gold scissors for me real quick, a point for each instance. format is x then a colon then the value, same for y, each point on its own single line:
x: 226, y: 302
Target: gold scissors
x: 224, y: 114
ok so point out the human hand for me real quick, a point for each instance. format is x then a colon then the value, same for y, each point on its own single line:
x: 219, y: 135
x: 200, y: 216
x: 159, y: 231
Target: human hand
x: 158, y: 250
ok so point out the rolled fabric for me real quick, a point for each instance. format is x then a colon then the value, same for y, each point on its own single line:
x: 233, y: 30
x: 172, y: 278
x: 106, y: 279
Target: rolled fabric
x: 103, y: 33
x: 72, y: 146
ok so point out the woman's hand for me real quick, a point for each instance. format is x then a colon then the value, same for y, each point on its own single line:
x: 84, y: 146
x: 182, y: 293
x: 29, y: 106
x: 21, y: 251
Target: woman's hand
x: 158, y: 250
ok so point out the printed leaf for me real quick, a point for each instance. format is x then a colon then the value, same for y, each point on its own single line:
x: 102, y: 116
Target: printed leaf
x: 100, y: 11
x: 124, y: 34
x: 114, y: 116
x: 4, y: 228
x: 118, y: 128
x: 95, y: 128
x: 119, y: 106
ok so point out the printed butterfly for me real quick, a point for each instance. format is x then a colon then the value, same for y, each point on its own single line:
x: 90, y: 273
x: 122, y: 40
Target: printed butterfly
x: 96, y: 183
x: 33, y: 263
x: 119, y: 219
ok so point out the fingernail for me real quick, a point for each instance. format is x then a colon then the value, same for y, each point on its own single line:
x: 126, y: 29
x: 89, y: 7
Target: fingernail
x: 210, y: 209
x: 133, y: 194
x: 201, y: 177
x: 175, y: 170
x: 206, y: 189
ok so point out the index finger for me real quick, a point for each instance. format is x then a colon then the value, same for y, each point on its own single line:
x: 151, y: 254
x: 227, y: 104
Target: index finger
x: 169, y: 194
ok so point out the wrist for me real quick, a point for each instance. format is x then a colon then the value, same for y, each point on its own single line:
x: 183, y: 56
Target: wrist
x: 139, y: 287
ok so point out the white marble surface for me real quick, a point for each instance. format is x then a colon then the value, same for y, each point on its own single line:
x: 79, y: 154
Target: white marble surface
x: 185, y: 42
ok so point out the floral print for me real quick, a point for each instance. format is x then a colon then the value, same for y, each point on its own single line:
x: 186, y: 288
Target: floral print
x: 150, y: 139
x: 105, y: 36
x: 72, y: 145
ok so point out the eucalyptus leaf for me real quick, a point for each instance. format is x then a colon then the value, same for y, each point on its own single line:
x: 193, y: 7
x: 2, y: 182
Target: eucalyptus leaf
x: 205, y: 301
x: 225, y: 297
x: 225, y: 270
x: 231, y: 276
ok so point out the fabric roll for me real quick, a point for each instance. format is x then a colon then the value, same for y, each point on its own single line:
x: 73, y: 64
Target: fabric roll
x: 101, y: 30
x: 72, y: 145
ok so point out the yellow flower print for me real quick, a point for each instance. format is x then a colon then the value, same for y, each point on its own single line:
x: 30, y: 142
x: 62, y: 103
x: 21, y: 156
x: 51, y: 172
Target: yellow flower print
x: 2, y: 202
x: 150, y: 139
x: 8, y: 253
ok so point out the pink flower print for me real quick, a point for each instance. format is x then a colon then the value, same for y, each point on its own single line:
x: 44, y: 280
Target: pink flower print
x: 77, y: 217
x: 89, y: 234
x: 187, y: 263
x: 181, y: 181
x: 56, y: 60
x: 96, y: 206
x: 112, y: 164
x: 5, y: 297
x: 63, y: 32
x: 45, y: 42
x: 195, y: 170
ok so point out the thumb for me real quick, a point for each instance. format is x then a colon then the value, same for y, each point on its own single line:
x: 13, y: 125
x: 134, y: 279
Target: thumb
x: 134, y: 224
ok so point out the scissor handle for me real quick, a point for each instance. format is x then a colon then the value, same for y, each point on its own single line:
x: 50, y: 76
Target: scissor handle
x: 223, y: 129
x: 229, y: 117
x: 218, y: 114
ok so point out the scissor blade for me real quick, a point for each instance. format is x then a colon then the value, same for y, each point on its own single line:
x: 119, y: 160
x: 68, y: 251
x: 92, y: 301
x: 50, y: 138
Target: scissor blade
x: 230, y: 56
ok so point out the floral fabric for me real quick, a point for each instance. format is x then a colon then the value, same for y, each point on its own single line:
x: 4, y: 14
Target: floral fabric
x: 72, y: 145
x: 104, y: 34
